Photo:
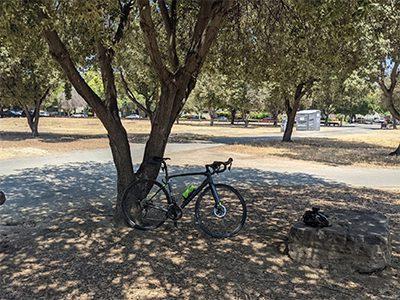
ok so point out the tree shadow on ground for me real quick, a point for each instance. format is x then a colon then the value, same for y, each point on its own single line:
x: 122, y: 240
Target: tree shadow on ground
x: 61, y: 138
x: 325, y: 150
x: 71, y: 250
x: 48, y: 137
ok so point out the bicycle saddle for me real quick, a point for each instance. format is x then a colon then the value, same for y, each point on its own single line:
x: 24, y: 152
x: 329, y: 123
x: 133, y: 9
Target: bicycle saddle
x: 158, y: 159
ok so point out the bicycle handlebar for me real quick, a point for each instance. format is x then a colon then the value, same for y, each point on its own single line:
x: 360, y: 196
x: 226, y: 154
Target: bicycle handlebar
x: 216, y: 166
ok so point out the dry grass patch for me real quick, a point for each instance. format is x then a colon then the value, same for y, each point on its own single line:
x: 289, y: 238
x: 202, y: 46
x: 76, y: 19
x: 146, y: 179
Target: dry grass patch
x: 93, y: 126
x: 325, y: 150
x: 67, y: 134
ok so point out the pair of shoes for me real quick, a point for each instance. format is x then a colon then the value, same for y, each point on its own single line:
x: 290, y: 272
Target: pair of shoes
x: 315, y: 218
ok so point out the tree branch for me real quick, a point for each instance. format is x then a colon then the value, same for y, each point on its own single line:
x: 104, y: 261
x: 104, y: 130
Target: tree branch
x: 132, y: 97
x: 150, y: 37
x: 39, y: 102
x: 123, y: 21
x: 209, y: 20
x: 105, y: 57
x: 393, y: 76
x: 170, y: 27
x: 60, y: 53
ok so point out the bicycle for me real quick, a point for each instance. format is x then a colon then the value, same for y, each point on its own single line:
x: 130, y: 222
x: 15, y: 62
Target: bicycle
x: 220, y: 210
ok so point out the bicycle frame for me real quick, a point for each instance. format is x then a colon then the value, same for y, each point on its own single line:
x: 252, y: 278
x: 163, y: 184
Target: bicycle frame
x: 207, y: 181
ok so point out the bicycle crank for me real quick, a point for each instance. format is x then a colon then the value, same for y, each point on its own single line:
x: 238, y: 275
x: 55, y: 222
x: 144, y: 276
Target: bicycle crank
x: 174, y: 212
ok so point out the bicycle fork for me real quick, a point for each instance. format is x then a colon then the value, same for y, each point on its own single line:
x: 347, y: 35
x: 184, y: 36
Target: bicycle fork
x: 219, y: 209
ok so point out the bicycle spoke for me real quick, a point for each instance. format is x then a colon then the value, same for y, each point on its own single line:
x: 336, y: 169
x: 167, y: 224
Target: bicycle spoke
x: 225, y: 219
x: 154, y: 206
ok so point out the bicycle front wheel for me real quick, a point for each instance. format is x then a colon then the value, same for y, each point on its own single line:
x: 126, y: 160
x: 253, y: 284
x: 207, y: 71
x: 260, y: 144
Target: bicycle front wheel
x: 145, y: 204
x: 227, y: 218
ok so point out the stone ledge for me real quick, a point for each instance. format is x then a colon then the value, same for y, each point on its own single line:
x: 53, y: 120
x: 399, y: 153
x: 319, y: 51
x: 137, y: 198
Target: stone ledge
x: 357, y: 241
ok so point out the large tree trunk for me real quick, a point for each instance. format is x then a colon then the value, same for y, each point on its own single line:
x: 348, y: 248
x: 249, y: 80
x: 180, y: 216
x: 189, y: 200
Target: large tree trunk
x: 164, y: 119
x: 233, y: 116
x: 32, y: 122
x: 212, y: 116
x: 301, y: 90
x: 33, y: 118
x: 275, y: 118
x: 394, y: 120
x: 245, y: 117
x: 291, y: 115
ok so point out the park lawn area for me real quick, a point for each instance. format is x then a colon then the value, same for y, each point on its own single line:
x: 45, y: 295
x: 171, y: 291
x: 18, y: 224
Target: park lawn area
x: 370, y: 149
x: 67, y: 134
x: 93, y: 127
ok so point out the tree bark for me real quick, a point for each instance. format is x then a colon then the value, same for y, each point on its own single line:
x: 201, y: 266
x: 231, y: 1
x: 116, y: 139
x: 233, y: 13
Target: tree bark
x: 106, y: 111
x: 301, y: 89
x: 275, y: 118
x: 394, y: 120
x: 33, y: 118
x: 233, y: 116
x: 212, y: 116
x: 32, y: 122
x: 245, y: 117
x: 291, y: 115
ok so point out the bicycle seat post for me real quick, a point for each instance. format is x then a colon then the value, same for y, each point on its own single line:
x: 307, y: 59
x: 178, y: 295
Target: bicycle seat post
x: 165, y: 169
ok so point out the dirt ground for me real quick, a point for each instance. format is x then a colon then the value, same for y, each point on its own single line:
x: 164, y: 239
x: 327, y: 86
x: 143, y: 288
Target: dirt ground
x: 84, y: 257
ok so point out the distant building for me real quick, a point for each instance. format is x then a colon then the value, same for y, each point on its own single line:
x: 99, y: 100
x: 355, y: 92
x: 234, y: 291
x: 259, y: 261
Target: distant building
x: 308, y: 120
x: 74, y: 105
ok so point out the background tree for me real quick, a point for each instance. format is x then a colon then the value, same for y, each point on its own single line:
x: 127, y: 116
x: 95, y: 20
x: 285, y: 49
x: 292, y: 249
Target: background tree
x: 26, y: 81
x: 382, y: 59
x: 209, y: 95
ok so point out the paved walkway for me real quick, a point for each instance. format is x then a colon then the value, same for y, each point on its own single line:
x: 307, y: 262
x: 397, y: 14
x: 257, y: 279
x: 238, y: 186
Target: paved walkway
x: 197, y: 154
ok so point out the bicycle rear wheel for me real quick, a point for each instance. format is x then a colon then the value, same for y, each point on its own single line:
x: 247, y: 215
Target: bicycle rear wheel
x: 153, y: 200
x: 225, y: 220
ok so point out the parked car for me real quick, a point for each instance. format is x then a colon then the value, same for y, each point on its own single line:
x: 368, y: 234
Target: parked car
x: 132, y: 116
x: 43, y: 113
x: 81, y: 115
x: 55, y: 114
x: 222, y: 118
x: 16, y: 113
x: 267, y: 120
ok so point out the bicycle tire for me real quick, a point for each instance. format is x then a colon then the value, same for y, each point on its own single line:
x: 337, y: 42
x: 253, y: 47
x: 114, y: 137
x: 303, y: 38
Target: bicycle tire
x: 204, y: 209
x: 132, y: 194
